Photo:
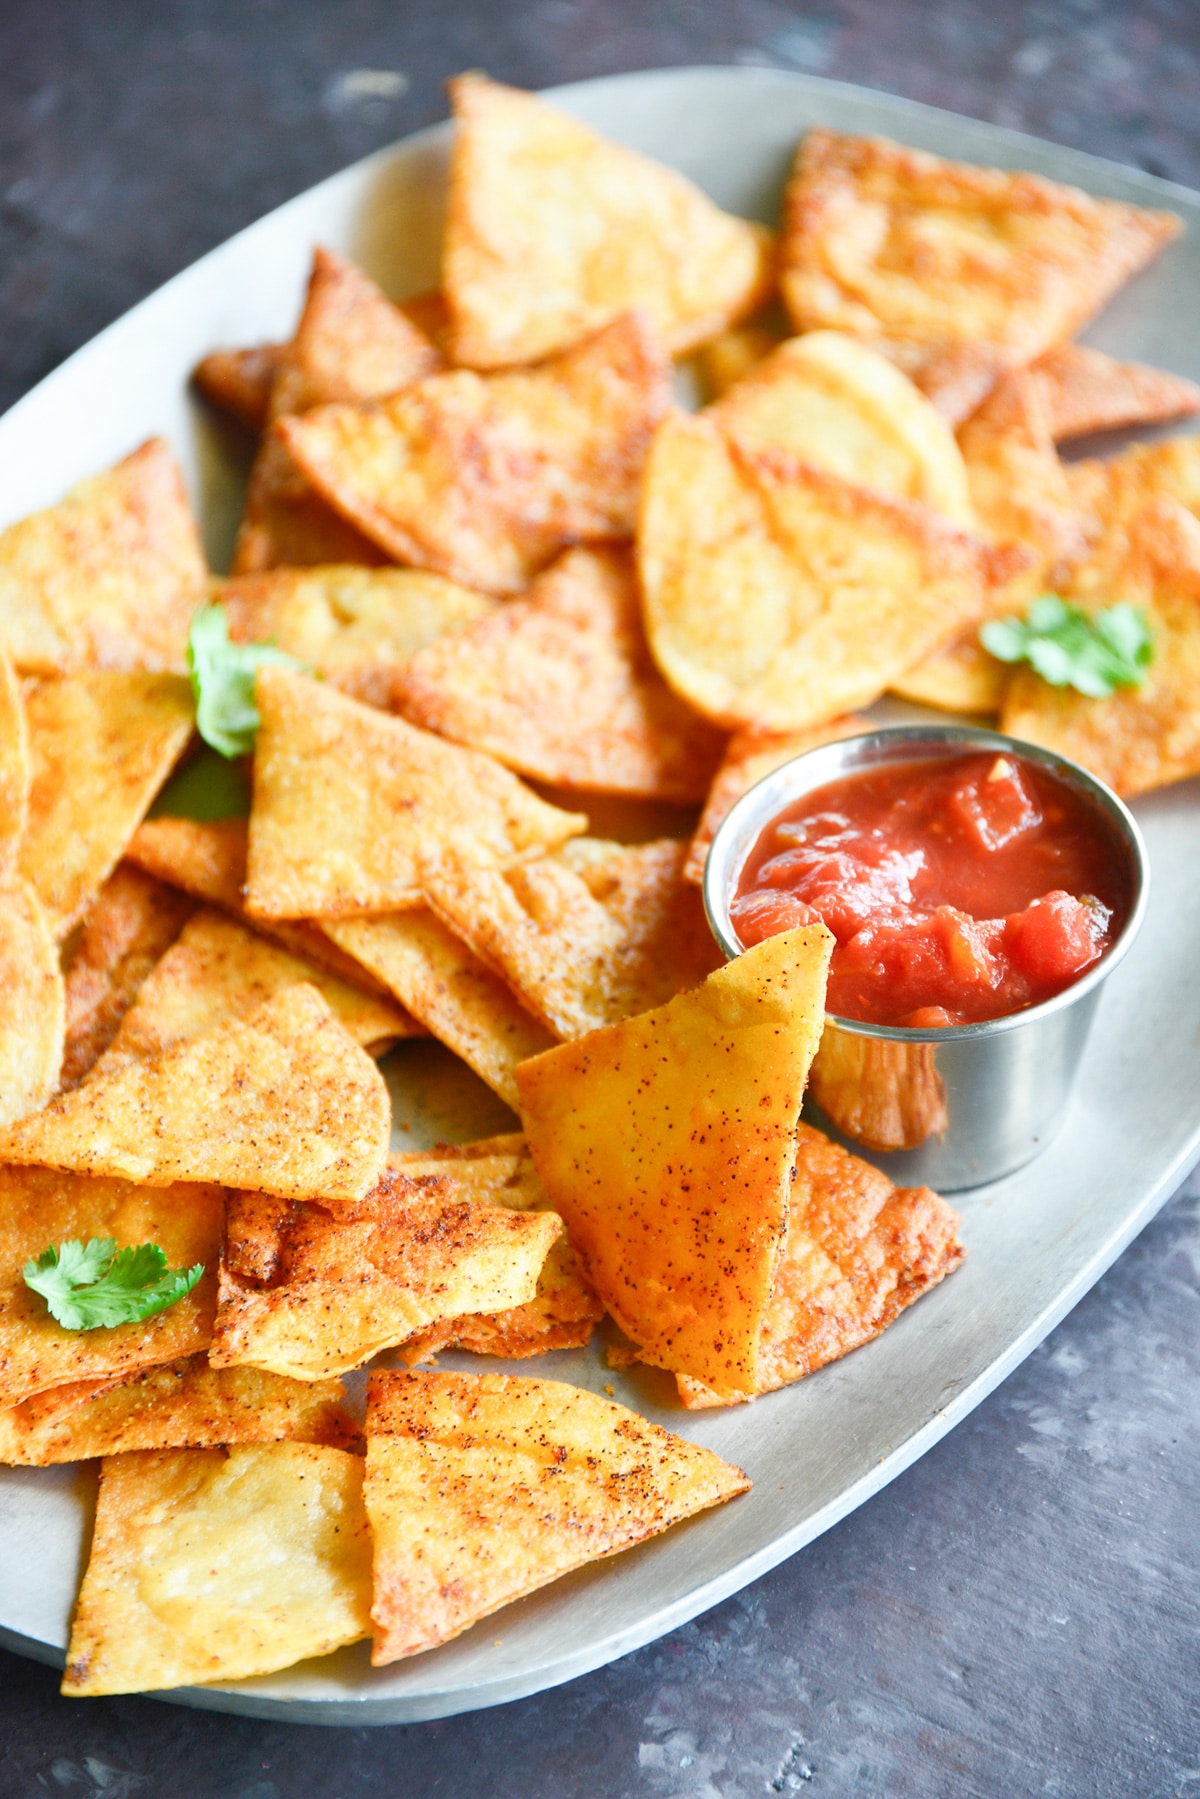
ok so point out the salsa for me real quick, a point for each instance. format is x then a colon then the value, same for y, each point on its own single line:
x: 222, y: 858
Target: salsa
x: 958, y: 888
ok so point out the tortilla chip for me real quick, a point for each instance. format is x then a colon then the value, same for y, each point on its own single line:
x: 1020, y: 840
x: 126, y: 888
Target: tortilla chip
x: 732, y: 354
x: 184, y: 1405
x: 109, y: 577
x: 286, y: 523
x: 216, y: 1564
x: 32, y: 1004
x: 239, y: 381
x: 885, y: 1094
x: 448, y: 989
x: 16, y: 770
x: 665, y: 1143
x: 778, y: 596
x: 749, y: 757
x: 348, y: 802
x: 311, y: 1292
x: 960, y: 678
x: 283, y: 1100
x: 485, y: 478
x: 838, y: 404
x: 101, y: 747
x: 858, y: 1251
x: 39, y: 1208
x: 1084, y: 390
x: 1018, y: 485
x: 603, y: 716
x: 552, y: 232
x: 1116, y: 489
x: 134, y: 921
x: 949, y: 260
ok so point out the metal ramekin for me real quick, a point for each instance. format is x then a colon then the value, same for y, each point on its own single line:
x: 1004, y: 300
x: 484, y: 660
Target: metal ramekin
x: 948, y: 1108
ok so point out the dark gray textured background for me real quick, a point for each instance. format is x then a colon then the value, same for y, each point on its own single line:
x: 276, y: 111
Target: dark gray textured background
x: 1018, y: 1613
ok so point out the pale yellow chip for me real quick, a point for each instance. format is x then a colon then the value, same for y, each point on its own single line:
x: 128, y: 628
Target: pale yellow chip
x: 311, y: 1291
x: 560, y: 685
x: 217, y: 1564
x: 109, y: 577
x: 553, y: 231
x: 484, y: 478
x: 32, y: 1004
x: 778, y: 596
x: 183, y: 1405
x: 101, y: 747
x: 239, y: 381
x: 960, y: 678
x: 665, y: 1143
x: 347, y: 803
x: 40, y: 1209
x: 16, y: 772
x: 1084, y: 390
x: 732, y: 354
x: 283, y: 1100
x: 482, y: 1488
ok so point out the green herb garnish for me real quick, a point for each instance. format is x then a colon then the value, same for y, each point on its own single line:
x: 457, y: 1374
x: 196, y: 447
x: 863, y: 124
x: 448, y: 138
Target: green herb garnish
x: 223, y: 681
x: 94, y: 1284
x: 1094, y: 652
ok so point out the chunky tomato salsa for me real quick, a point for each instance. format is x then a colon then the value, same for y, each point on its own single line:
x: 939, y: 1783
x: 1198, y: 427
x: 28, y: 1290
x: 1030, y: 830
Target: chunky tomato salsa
x: 958, y: 888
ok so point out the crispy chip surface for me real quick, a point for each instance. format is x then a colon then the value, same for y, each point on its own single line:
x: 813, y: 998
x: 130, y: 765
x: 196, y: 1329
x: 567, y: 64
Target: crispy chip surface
x: 482, y: 1488
x: 1018, y: 485
x: 287, y: 524
x: 215, y: 1564
x: 884, y: 1093
x: 665, y: 1143
x: 1116, y: 489
x: 32, y: 1004
x: 239, y: 381
x: 732, y: 354
x: 16, y: 771
x: 1083, y: 390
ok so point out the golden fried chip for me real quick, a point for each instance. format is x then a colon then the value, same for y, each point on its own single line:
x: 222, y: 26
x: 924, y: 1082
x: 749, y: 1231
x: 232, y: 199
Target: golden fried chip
x: 1084, y: 390
x: 482, y: 1488
x: 1116, y: 489
x: 552, y: 232
x: 778, y: 596
x: 32, y: 1004
x: 283, y: 1100
x: 960, y: 678
x: 601, y: 716
x: 485, y: 478
x: 15, y: 767
x: 287, y: 524
x: 665, y: 1143
x: 239, y: 381
x: 884, y: 1093
x: 732, y: 354
x: 838, y: 404
x: 858, y: 1251
x: 41, y: 1208
x: 311, y: 1292
x: 216, y: 1564
x: 347, y: 803
x: 109, y: 577
x: 945, y: 258
x: 184, y: 1405
x: 101, y: 747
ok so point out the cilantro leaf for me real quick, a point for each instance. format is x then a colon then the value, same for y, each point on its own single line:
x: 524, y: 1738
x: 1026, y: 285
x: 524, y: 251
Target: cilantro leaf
x: 1095, y: 653
x: 93, y: 1284
x: 223, y: 681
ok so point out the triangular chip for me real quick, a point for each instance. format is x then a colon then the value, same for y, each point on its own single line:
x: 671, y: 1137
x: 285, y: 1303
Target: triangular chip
x: 287, y: 524
x: 482, y: 1488
x: 16, y: 770
x: 778, y: 596
x: 486, y: 478
x: 215, y: 1564
x: 32, y: 1004
x: 40, y: 1209
x: 109, y: 577
x: 552, y: 231
x: 601, y: 718
x: 347, y: 803
x: 184, y: 1405
x: 1116, y: 489
x: 102, y: 745
x: 239, y: 381
x: 665, y: 1143
x: 311, y: 1291
x: 1084, y: 391
x: 731, y: 355
x: 858, y: 1251
x: 283, y: 1101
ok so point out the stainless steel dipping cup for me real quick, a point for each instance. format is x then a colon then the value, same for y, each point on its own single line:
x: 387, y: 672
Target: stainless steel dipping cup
x: 955, y: 1107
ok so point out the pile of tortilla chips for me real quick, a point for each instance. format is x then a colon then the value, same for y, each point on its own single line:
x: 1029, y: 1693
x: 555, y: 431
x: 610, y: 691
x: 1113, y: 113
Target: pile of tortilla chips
x: 549, y: 626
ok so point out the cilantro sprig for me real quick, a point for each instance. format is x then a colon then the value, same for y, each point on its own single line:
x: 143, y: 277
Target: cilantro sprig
x: 223, y: 681
x: 87, y: 1285
x: 1093, y: 652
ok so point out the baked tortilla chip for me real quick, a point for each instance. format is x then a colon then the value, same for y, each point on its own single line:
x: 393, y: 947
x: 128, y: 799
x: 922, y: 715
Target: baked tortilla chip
x: 552, y: 232
x: 109, y: 577
x: 1084, y: 390
x: 286, y: 523
x: 732, y: 354
x: 778, y: 596
x: 666, y: 1143
x: 40, y: 1207
x: 216, y: 1564
x: 32, y: 1004
x: 312, y: 1292
x: 16, y: 771
x: 184, y: 1405
x: 101, y: 747
x: 283, y: 1100
x: 485, y: 478
x: 348, y: 802
x: 1116, y: 489
x: 602, y: 716
x: 884, y: 1093
x: 858, y: 1251
x: 239, y: 381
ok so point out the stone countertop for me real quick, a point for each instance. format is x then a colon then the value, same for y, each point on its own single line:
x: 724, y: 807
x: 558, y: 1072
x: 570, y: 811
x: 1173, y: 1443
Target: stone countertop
x: 1015, y: 1614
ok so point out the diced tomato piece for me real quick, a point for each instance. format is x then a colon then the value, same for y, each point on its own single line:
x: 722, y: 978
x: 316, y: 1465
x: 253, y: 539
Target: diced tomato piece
x: 1055, y: 938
